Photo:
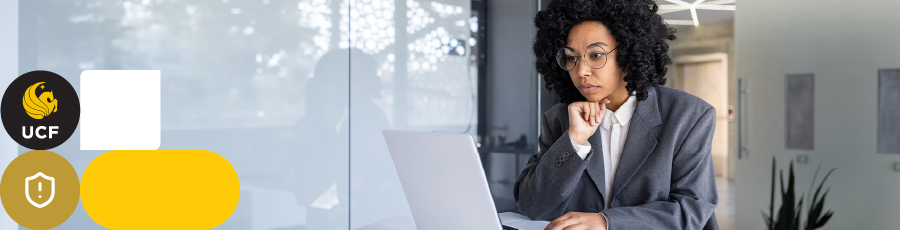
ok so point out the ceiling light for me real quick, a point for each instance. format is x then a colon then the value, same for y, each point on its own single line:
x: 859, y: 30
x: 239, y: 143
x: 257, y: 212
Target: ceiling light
x: 679, y: 5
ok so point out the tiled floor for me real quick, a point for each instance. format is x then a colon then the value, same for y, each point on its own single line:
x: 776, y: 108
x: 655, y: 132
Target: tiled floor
x: 725, y: 210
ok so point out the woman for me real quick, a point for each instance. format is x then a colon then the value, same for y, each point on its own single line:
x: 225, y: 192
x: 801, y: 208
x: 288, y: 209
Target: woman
x: 620, y: 151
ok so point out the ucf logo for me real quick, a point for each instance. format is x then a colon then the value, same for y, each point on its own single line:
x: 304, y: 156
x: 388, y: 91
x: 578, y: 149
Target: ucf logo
x: 40, y: 110
x: 38, y: 107
x: 36, y: 192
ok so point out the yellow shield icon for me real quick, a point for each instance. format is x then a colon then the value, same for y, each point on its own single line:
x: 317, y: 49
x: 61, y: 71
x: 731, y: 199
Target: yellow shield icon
x: 36, y: 191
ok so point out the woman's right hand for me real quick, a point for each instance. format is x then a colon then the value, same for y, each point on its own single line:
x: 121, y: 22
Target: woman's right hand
x: 584, y: 117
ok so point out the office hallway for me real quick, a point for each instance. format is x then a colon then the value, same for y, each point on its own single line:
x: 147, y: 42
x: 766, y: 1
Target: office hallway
x: 725, y: 210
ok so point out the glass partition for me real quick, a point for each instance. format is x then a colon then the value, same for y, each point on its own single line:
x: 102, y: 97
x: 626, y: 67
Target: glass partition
x: 293, y: 93
x: 411, y: 68
x: 263, y: 83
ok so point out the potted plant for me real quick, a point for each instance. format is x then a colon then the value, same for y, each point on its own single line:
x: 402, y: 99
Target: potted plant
x: 788, y: 217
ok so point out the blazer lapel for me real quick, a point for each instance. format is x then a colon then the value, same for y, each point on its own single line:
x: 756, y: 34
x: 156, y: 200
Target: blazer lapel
x: 639, y: 143
x: 595, y: 165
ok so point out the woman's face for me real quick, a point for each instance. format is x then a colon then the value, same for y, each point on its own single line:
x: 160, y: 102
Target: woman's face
x: 595, y: 84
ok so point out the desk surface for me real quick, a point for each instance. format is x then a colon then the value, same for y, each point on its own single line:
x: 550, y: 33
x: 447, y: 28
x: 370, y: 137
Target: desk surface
x: 407, y: 223
x: 397, y: 223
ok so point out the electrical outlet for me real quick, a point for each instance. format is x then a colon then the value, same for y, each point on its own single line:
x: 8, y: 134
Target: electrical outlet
x: 896, y: 166
x: 802, y: 159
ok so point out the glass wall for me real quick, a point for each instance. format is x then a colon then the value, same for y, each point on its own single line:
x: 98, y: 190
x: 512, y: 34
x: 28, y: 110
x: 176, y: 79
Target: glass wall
x: 293, y: 93
x: 411, y: 69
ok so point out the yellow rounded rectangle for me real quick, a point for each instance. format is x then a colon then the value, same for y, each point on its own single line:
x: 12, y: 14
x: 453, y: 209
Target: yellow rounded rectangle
x: 160, y: 189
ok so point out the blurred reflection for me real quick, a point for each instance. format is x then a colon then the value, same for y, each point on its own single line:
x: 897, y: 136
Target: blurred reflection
x: 319, y: 143
x: 376, y: 190
x: 282, y: 89
x: 427, y: 82
x: 235, y: 80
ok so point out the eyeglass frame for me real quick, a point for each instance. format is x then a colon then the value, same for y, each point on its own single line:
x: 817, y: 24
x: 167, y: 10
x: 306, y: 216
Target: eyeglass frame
x: 585, y: 60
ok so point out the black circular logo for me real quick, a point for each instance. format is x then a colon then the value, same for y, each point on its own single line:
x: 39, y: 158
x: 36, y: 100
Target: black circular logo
x: 40, y: 110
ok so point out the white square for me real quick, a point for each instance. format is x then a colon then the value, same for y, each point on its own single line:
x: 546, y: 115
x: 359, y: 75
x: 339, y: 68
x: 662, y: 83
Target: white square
x: 120, y: 109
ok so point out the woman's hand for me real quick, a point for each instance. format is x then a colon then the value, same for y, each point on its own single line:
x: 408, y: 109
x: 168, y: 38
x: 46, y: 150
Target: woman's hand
x: 578, y: 221
x: 584, y: 116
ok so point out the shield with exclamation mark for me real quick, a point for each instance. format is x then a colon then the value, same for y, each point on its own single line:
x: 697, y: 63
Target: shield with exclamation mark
x: 40, y: 189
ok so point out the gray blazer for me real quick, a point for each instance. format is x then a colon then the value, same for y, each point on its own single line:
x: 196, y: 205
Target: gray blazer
x: 665, y: 177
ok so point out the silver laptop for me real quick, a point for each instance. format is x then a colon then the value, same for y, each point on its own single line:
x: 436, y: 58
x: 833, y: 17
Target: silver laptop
x: 443, y: 180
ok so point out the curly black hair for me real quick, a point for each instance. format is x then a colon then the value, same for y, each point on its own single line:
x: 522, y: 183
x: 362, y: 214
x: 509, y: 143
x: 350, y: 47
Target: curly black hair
x: 639, y: 30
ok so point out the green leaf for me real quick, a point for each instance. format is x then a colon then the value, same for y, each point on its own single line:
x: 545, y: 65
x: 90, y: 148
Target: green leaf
x: 819, y: 206
x: 767, y: 219
x: 787, y: 214
x: 797, y: 216
x: 822, y: 183
x: 812, y: 202
x: 770, y: 222
x: 813, y: 216
x: 781, y: 182
x: 824, y: 219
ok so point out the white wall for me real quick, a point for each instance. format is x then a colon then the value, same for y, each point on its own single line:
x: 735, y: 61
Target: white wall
x: 844, y: 43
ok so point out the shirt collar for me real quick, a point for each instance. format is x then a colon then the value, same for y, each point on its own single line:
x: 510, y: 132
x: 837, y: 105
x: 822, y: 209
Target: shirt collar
x: 622, y: 115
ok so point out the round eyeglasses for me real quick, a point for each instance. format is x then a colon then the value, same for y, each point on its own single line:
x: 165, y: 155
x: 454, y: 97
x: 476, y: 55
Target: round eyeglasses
x: 594, y: 56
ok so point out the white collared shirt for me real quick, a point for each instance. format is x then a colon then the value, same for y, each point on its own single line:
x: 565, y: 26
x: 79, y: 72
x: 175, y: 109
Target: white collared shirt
x: 612, y: 135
